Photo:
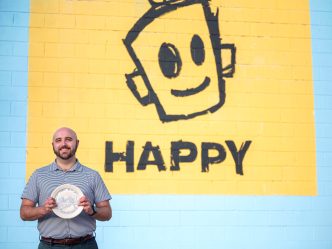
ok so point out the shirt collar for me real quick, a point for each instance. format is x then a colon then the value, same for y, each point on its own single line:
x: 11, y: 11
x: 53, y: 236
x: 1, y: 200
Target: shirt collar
x: 76, y: 167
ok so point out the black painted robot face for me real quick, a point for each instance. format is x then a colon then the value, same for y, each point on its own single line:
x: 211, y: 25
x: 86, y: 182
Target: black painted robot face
x: 176, y: 48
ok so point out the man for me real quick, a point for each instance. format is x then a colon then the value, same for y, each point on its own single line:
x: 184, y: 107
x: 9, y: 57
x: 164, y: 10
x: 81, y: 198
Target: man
x: 37, y: 202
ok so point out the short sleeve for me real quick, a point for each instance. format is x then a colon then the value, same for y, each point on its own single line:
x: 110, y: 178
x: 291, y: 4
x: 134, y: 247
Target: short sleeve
x: 31, y: 190
x: 101, y: 191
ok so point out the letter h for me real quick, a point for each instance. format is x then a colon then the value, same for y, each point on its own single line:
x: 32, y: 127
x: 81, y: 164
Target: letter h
x: 111, y: 156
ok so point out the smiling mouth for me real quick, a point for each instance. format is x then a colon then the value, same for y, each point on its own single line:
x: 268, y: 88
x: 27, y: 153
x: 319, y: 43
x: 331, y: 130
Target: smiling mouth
x: 191, y: 91
x: 64, y: 150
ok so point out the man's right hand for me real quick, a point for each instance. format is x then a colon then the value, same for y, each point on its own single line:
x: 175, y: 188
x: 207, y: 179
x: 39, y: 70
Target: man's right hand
x: 29, y: 211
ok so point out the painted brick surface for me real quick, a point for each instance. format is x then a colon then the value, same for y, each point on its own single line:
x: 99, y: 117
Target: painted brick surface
x: 78, y: 62
x: 14, y: 24
x: 163, y: 221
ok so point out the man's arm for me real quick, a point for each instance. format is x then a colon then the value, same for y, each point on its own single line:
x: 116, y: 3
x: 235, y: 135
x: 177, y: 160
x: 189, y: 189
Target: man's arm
x: 29, y: 211
x: 103, y: 209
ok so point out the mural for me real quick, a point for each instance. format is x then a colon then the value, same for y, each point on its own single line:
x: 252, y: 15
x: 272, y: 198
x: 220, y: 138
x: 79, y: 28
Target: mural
x: 144, y: 84
x: 170, y: 62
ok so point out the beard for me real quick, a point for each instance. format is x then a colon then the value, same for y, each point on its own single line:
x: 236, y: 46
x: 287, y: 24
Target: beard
x: 66, y: 156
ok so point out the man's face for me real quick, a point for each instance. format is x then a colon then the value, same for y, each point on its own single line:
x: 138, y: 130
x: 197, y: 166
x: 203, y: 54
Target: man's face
x: 65, y: 144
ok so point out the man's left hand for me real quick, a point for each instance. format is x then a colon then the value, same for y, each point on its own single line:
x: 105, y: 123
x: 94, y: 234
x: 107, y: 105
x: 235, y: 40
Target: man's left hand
x: 86, y: 204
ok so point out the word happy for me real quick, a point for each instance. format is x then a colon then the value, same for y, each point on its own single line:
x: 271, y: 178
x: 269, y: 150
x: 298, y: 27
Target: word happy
x: 176, y: 155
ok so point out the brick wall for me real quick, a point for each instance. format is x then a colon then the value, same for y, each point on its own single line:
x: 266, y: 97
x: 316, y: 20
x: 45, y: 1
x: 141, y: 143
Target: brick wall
x: 259, y: 220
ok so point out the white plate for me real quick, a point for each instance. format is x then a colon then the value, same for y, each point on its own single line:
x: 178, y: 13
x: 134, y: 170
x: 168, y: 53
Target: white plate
x: 67, y: 198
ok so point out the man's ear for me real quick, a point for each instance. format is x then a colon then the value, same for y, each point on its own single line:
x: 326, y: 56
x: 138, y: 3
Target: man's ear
x: 77, y: 143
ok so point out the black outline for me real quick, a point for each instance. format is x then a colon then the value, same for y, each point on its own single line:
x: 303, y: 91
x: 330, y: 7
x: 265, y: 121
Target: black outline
x: 158, y: 9
x: 191, y: 91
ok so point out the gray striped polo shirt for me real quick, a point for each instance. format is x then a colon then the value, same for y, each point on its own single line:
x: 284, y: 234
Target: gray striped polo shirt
x: 44, y: 180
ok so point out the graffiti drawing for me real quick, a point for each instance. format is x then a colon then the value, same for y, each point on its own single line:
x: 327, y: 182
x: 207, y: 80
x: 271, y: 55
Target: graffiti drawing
x: 169, y: 90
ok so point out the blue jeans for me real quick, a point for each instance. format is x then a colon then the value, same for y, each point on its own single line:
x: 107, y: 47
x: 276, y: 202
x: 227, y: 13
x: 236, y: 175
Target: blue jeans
x: 89, y: 244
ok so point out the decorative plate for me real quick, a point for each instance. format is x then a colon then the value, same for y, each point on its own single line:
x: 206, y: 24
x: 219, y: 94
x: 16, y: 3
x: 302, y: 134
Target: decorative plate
x: 67, y: 198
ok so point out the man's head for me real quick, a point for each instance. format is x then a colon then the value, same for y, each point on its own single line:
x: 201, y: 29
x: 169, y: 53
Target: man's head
x: 65, y: 143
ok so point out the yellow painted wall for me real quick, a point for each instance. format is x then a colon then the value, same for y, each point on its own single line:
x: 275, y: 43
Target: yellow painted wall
x: 77, y: 68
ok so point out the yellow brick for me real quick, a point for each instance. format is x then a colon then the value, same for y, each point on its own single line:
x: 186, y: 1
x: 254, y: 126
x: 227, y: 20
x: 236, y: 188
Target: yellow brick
x: 35, y: 109
x: 293, y: 5
x: 132, y: 8
x: 41, y: 64
x: 37, y: 49
x: 37, y: 20
x: 89, y: 110
x: 304, y: 161
x: 300, y: 44
x: 59, y: 21
x: 297, y: 58
x: 42, y: 94
x: 59, y: 79
x: 236, y: 28
x: 260, y: 44
x: 115, y: 52
x: 41, y: 6
x: 296, y: 87
x: 249, y: 4
x: 277, y: 128
x: 43, y: 156
x: 293, y: 30
x: 46, y: 139
x: 304, y: 128
x: 255, y: 115
x: 302, y: 101
x: 298, y: 173
x: 36, y: 139
x: 44, y: 35
x: 304, y: 188
x: 73, y: 36
x: 90, y: 50
x: 85, y: 80
x: 67, y: 7
x: 35, y: 79
x: 281, y: 158
x: 116, y: 111
x: 302, y: 73
x: 102, y: 66
x: 263, y: 173
x: 264, y: 29
x: 40, y: 124
x: 90, y: 22
x: 276, y: 187
x: 59, y: 50
x: 295, y: 16
x: 78, y: 124
x: 252, y: 187
x: 298, y: 144
x: 57, y: 110
x: 96, y: 140
x: 73, y: 65
x: 292, y: 115
x: 72, y: 95
x: 240, y: 15
x: 87, y: 7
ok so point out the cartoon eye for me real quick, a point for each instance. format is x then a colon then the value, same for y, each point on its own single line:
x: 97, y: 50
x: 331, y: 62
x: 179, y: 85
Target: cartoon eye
x: 197, y: 50
x: 169, y: 60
